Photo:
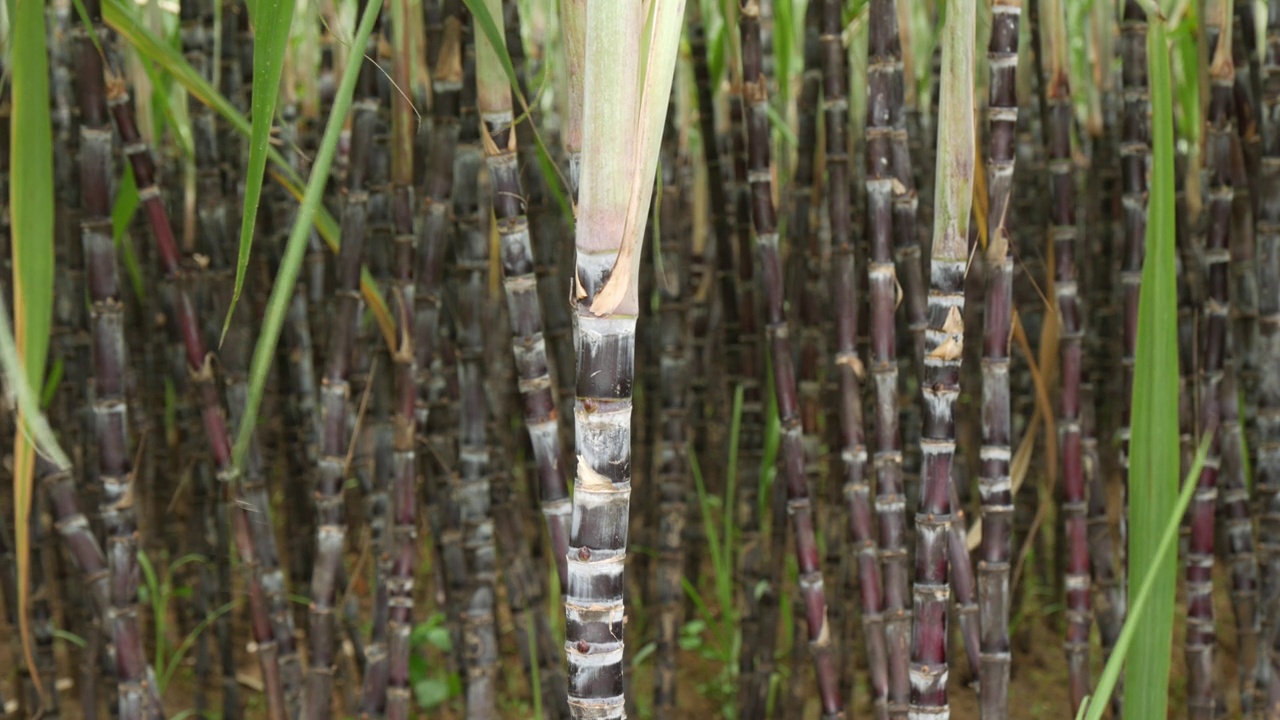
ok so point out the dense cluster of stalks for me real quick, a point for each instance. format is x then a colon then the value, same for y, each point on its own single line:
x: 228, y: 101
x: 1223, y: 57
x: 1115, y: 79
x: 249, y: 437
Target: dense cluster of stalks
x: 725, y: 268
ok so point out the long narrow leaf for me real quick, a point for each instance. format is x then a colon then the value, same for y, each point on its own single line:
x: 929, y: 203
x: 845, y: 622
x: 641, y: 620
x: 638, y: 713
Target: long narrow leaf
x: 295, y: 249
x: 271, y: 22
x: 1153, y: 470
x: 1097, y: 704
x: 31, y: 215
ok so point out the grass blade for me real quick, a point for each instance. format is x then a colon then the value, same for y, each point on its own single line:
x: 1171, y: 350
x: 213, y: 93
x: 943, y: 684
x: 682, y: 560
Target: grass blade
x: 31, y: 216
x: 271, y: 22
x: 296, y: 247
x: 1097, y: 704
x: 1153, y: 471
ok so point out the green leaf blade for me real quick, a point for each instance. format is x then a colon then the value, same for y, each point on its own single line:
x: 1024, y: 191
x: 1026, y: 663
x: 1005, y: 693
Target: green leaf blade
x: 31, y: 212
x: 1154, y: 464
x: 272, y: 20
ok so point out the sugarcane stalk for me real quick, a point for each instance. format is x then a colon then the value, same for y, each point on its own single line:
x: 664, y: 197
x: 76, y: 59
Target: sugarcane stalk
x: 944, y: 342
x: 136, y: 693
x: 1135, y: 153
x: 856, y: 485
x: 1063, y: 236
x: 218, y: 245
x: 1238, y: 522
x: 887, y: 167
x: 541, y: 416
x: 994, y: 485
x: 434, y: 226
x: 1239, y: 378
x: 335, y: 390
x: 200, y: 367
x: 472, y: 491
x: 622, y: 123
x: 437, y: 375
x: 402, y: 548
x: 1201, y: 634
x: 1267, y: 461
x: 763, y: 216
x: 745, y: 352
x: 671, y: 449
x: 1098, y: 388
x: 545, y: 221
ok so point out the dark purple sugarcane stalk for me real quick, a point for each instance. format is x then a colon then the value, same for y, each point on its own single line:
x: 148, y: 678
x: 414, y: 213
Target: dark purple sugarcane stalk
x: 235, y: 352
x: 297, y: 356
x: 437, y: 375
x: 1135, y: 151
x: 889, y: 178
x: 1098, y: 389
x: 374, y: 375
x: 671, y: 471
x: 885, y: 55
x: 745, y: 352
x: 807, y: 260
x: 944, y: 344
x: 541, y: 415
x: 994, y: 484
x: 1135, y: 154
x: 1063, y: 236
x: 1247, y: 157
x: 853, y: 452
x: 1267, y: 446
x: 200, y: 366
x: 472, y: 492
x: 706, y: 294
x: 216, y: 241
x: 403, y: 497
x: 963, y: 583
x: 763, y: 215
x: 1240, y: 374
x: 806, y: 273
x: 1238, y: 521
x: 446, y: 83
x: 331, y: 467
x: 1201, y: 634
x: 136, y: 691
x: 828, y: 516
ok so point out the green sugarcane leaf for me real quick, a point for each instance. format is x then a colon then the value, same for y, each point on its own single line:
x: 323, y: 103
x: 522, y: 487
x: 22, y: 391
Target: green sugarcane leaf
x: 1153, y: 469
x: 117, y: 15
x: 31, y: 209
x: 122, y: 213
x: 296, y: 246
x: 271, y: 20
x: 52, y: 382
x: 1096, y: 705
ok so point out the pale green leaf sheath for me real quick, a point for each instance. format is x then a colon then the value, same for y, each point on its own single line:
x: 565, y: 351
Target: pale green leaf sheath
x: 628, y: 78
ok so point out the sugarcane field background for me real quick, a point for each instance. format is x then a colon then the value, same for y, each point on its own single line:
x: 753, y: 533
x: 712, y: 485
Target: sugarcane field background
x: 656, y: 359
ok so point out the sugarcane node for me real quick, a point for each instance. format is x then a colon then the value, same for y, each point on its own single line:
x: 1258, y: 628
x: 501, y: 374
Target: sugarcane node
x: 584, y: 554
